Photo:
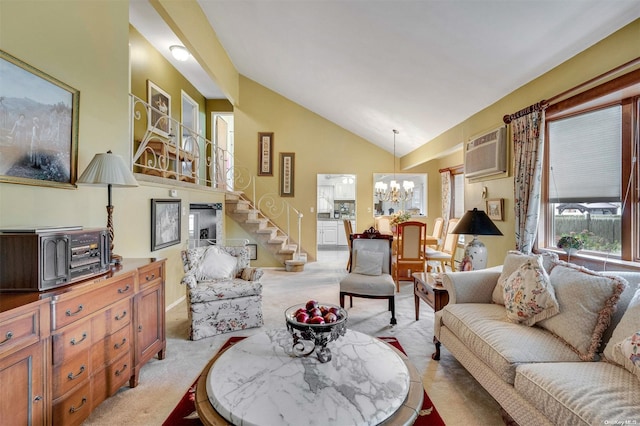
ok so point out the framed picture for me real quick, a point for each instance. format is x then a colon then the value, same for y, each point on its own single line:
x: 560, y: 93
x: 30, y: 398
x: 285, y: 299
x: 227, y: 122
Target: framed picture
x: 160, y: 101
x: 495, y: 209
x: 287, y: 175
x: 253, y: 251
x: 165, y: 223
x: 38, y: 126
x: 265, y: 154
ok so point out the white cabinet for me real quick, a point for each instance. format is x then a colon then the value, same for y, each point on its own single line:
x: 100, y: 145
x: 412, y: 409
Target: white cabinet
x: 342, y: 235
x: 345, y: 191
x: 325, y: 198
x: 327, y: 232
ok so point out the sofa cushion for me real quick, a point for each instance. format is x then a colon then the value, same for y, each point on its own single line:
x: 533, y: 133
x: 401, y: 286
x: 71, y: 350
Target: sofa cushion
x: 224, y: 289
x: 501, y: 344
x: 586, y: 300
x: 512, y: 262
x: 529, y: 295
x: 368, y: 262
x: 216, y: 264
x: 593, y: 393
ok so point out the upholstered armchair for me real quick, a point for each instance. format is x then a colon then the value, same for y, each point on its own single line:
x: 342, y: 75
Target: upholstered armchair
x: 224, y: 293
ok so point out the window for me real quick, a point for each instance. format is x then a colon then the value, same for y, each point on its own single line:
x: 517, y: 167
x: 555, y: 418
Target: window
x: 590, y: 185
x: 457, y: 191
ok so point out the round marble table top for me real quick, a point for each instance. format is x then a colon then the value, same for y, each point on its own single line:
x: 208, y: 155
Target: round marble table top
x: 258, y: 382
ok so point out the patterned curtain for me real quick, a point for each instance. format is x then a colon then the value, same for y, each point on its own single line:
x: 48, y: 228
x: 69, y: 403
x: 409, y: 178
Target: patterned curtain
x: 528, y: 141
x: 445, y: 177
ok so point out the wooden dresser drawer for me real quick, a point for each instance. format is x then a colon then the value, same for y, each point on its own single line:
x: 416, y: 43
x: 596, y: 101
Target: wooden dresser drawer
x: 74, y: 408
x: 426, y: 292
x: 150, y: 274
x: 118, y: 373
x: 111, y: 347
x: 72, y: 341
x: 71, y: 373
x: 75, y: 307
x: 20, y: 330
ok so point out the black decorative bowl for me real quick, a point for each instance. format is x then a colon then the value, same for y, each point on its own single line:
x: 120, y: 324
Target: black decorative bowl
x: 309, y: 337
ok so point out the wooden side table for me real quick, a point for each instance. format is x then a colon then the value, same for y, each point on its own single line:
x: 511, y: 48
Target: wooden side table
x: 426, y: 288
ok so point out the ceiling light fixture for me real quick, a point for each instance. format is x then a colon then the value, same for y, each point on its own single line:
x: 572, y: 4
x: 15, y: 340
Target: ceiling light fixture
x: 392, y: 192
x: 180, y: 53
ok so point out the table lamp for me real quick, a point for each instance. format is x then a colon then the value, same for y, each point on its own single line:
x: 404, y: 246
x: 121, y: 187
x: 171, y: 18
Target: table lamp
x: 475, y: 222
x: 108, y: 169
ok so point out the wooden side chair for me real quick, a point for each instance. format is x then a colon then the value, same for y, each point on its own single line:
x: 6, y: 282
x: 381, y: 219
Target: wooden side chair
x: 438, y: 227
x: 370, y: 270
x: 410, y: 255
x: 439, y: 259
x: 348, y: 230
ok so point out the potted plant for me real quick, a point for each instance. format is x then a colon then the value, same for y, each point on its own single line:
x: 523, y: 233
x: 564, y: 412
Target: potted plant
x: 570, y: 244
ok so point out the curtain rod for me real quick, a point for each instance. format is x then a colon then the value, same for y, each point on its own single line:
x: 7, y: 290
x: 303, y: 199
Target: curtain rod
x: 543, y: 104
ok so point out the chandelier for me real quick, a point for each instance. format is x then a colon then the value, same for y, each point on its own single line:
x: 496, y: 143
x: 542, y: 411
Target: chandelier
x: 392, y: 192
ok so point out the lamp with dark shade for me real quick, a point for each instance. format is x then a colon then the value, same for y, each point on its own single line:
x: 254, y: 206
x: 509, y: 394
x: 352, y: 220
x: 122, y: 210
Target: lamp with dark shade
x: 108, y: 169
x: 475, y: 222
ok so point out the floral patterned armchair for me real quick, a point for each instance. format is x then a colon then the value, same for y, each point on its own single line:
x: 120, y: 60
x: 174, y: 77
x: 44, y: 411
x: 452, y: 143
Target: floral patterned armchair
x: 224, y: 292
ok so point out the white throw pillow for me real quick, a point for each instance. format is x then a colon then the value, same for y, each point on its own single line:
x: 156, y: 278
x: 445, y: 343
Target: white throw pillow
x: 512, y: 262
x: 627, y: 353
x: 628, y: 325
x: 368, y: 262
x: 529, y: 295
x: 586, y: 301
x: 216, y: 264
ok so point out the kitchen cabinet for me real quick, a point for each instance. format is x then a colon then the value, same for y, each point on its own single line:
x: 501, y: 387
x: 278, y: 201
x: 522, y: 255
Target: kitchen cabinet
x: 328, y: 232
x: 325, y: 199
x: 344, y: 191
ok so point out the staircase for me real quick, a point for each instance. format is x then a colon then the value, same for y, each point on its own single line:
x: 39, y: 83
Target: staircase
x: 266, y: 232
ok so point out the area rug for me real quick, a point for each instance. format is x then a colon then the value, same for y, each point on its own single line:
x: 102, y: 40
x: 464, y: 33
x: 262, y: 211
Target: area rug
x: 184, y: 414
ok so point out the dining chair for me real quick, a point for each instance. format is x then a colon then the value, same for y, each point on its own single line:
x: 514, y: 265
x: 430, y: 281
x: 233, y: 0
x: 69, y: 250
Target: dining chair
x: 436, y: 234
x: 410, y: 254
x: 383, y: 225
x: 370, y: 270
x: 348, y: 230
x: 439, y: 259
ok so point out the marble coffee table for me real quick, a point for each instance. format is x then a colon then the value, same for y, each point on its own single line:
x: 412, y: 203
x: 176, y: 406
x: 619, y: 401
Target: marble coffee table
x: 258, y: 382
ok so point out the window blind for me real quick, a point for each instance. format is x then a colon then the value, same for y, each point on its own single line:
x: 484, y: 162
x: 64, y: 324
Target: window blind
x: 585, y: 157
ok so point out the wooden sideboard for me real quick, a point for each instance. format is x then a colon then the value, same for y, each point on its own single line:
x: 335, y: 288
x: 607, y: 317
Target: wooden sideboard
x: 65, y: 351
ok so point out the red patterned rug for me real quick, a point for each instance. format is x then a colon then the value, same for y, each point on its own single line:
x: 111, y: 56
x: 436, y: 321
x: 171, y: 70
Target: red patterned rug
x: 184, y: 414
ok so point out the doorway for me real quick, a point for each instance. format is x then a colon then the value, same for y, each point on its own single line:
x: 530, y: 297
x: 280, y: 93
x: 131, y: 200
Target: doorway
x: 336, y: 201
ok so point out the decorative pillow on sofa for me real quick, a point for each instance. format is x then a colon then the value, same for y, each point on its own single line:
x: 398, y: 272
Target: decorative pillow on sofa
x: 586, y: 301
x: 216, y: 264
x: 251, y: 274
x: 627, y: 353
x: 529, y: 295
x: 623, y: 338
x: 368, y: 262
x: 513, y: 261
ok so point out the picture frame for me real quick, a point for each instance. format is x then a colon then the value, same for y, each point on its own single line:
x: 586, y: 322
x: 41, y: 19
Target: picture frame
x: 253, y: 251
x: 160, y: 110
x: 287, y: 174
x: 165, y: 223
x: 39, y: 126
x: 495, y: 209
x: 265, y: 154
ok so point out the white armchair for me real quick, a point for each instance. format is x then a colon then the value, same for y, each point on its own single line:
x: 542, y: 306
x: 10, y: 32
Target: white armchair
x: 224, y: 293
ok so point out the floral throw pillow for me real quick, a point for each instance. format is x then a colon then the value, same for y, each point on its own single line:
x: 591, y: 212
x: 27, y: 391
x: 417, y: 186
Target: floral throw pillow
x: 627, y: 353
x: 512, y: 262
x: 528, y: 294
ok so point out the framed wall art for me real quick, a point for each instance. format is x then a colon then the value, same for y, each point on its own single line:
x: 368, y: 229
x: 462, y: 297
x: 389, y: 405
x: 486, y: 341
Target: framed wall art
x: 39, y: 126
x: 495, y: 209
x: 265, y: 154
x: 160, y: 117
x: 165, y: 223
x: 253, y: 251
x: 287, y: 174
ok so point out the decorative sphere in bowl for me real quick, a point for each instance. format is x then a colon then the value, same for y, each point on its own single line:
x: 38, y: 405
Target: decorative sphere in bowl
x: 313, y: 325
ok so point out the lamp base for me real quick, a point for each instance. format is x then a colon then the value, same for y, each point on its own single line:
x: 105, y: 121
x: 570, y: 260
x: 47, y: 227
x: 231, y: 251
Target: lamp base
x: 475, y: 256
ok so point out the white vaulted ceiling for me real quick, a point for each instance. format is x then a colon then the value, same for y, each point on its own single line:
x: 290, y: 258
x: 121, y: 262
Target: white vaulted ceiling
x: 419, y: 66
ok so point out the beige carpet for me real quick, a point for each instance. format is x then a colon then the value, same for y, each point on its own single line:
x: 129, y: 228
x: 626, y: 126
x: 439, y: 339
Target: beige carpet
x: 457, y: 396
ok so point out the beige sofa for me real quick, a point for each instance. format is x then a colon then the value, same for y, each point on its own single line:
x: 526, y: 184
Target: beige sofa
x: 542, y: 373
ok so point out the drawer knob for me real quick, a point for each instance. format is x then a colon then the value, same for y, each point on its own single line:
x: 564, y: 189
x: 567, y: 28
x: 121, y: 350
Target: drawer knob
x: 150, y: 277
x: 76, y: 342
x: 8, y: 337
x: 38, y: 398
x: 70, y: 314
x: 72, y: 377
x: 119, y: 372
x: 124, y: 290
x: 120, y: 317
x: 74, y: 409
x: 119, y: 345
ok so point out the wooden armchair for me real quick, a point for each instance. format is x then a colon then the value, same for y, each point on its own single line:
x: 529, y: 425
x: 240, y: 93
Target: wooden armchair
x: 348, y: 231
x: 410, y: 255
x: 370, y: 270
x: 439, y: 259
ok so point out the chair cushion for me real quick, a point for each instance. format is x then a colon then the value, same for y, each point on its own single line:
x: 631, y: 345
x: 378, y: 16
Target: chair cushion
x: 586, y: 300
x: 216, y: 264
x: 224, y: 289
x: 529, y: 295
x: 380, y: 285
x: 368, y: 262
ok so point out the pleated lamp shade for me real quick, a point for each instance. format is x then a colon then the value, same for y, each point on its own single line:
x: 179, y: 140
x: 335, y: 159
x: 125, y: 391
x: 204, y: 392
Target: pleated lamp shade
x: 108, y: 169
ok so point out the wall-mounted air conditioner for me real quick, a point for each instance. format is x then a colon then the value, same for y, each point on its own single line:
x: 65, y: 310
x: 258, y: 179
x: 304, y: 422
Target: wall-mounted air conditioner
x: 486, y: 155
